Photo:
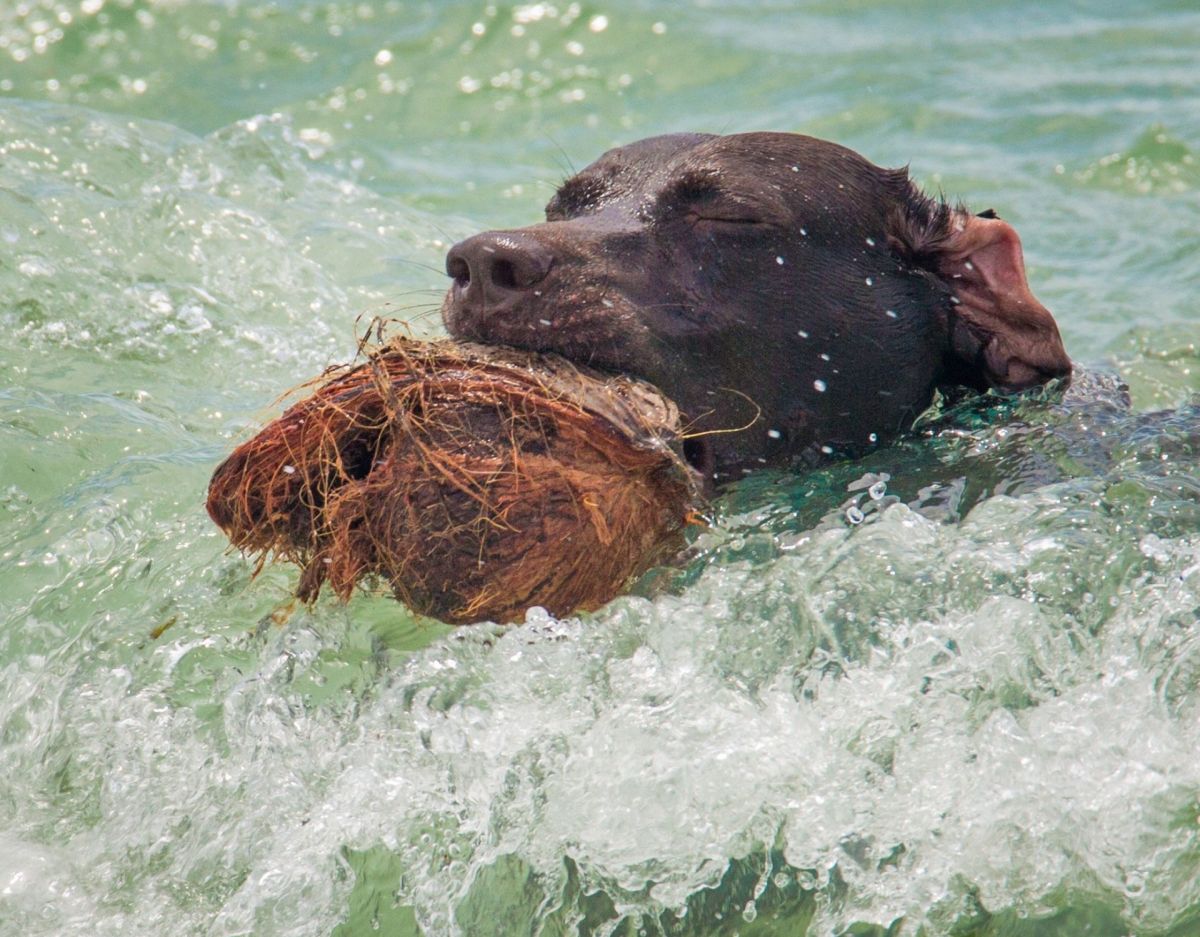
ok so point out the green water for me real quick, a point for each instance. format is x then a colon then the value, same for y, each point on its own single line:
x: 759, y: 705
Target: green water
x: 976, y: 712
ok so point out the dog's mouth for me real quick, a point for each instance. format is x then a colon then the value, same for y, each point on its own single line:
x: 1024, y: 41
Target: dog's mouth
x: 570, y: 336
x: 581, y: 326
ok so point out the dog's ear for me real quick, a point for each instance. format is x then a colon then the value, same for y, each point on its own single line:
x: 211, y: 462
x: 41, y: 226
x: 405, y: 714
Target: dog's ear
x: 1000, y: 335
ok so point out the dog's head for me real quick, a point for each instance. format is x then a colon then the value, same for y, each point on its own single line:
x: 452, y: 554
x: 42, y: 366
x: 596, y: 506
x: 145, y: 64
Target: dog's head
x: 763, y: 280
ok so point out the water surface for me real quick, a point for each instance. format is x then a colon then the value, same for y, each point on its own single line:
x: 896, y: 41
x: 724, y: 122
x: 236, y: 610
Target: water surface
x: 977, y: 709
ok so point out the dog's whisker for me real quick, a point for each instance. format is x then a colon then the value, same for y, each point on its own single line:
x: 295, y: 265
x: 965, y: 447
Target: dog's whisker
x: 414, y: 307
x: 431, y: 290
x: 570, y: 167
x: 440, y: 271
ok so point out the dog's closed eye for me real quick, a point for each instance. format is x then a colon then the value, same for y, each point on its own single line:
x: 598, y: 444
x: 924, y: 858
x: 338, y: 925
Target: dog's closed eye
x: 700, y: 199
x: 722, y: 215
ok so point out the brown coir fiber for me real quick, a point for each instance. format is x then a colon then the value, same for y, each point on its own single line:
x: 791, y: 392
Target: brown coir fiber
x: 478, y: 481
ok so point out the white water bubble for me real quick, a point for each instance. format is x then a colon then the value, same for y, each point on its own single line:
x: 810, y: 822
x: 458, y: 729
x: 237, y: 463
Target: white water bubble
x: 36, y: 267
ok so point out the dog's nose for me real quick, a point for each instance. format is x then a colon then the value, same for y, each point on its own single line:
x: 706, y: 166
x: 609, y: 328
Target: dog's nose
x: 488, y: 266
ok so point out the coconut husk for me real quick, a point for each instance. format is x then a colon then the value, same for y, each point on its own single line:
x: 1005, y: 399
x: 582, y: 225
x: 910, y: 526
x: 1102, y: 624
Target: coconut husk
x: 477, y: 481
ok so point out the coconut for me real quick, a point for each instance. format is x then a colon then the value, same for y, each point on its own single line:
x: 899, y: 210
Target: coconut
x: 479, y: 482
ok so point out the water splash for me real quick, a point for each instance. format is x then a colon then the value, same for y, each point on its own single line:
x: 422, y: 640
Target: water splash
x: 975, y: 709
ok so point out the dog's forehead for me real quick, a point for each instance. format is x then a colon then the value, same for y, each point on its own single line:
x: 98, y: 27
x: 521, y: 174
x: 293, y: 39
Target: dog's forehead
x: 647, y: 165
x: 643, y: 164
x: 795, y: 162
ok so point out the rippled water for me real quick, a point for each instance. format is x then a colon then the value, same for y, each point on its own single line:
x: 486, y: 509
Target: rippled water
x: 953, y: 687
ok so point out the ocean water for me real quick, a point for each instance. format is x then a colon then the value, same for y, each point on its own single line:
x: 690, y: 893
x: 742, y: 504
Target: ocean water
x: 951, y: 689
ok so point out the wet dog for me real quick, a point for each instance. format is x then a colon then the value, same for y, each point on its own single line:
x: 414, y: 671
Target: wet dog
x: 796, y: 301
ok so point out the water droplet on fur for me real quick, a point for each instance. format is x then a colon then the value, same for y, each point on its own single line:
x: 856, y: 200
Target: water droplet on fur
x: 289, y: 470
x: 779, y: 260
x: 870, y: 282
x: 891, y: 313
x: 820, y: 385
x: 802, y: 333
x: 774, y: 434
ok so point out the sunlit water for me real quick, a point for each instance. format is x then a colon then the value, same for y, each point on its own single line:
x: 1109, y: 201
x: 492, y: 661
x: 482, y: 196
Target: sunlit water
x: 956, y: 685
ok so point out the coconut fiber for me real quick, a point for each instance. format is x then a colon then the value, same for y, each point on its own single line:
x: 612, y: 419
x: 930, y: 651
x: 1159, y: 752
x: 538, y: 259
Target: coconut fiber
x: 477, y: 481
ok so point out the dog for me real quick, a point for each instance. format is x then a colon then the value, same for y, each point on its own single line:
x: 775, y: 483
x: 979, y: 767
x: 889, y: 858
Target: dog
x: 796, y: 301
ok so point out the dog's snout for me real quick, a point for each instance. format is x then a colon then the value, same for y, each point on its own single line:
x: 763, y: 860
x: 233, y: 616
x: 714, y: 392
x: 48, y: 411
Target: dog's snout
x: 495, y: 263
